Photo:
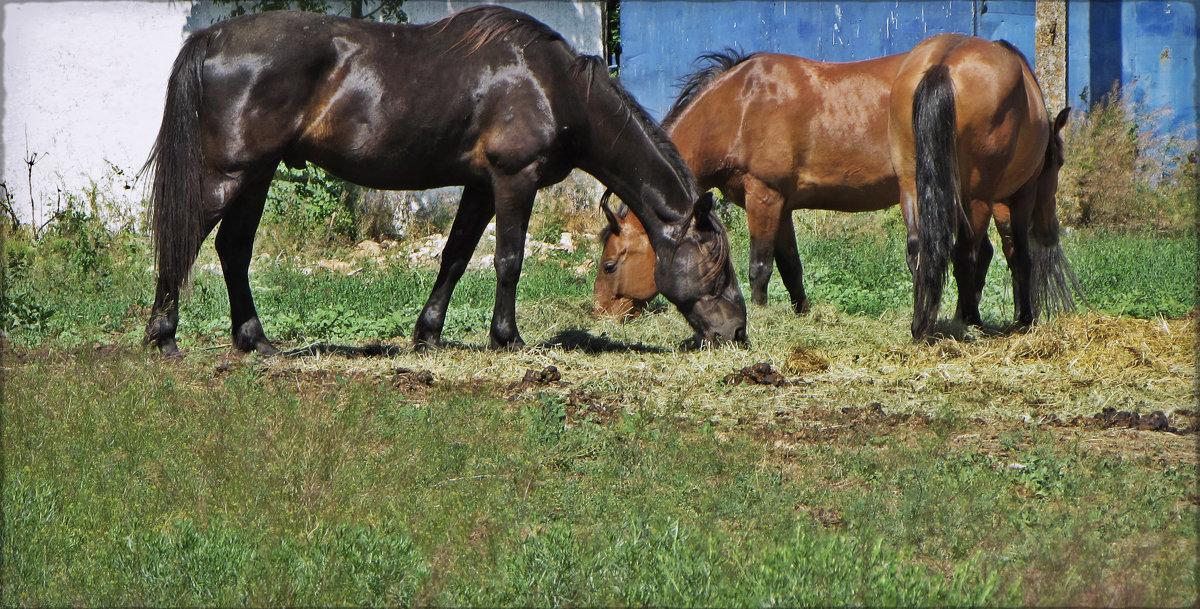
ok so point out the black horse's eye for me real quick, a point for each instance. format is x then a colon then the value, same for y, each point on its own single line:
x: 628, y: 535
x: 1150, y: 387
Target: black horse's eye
x: 610, y: 266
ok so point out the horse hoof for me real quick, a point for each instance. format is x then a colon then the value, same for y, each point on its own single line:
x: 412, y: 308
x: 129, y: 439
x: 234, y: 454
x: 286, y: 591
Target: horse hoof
x: 513, y: 345
x: 426, y: 345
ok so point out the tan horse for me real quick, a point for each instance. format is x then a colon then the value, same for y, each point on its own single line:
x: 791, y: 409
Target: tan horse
x: 778, y: 133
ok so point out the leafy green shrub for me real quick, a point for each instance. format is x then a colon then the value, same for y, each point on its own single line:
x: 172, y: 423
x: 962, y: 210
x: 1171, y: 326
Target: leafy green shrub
x: 309, y: 203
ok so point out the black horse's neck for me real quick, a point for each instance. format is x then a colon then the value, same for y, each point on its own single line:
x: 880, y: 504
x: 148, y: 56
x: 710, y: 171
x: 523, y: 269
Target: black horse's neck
x: 631, y: 155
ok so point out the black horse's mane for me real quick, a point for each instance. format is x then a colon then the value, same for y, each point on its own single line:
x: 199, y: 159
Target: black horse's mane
x: 692, y: 84
x: 495, y: 22
x: 591, y: 67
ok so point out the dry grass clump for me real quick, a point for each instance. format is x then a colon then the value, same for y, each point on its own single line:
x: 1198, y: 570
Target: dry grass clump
x: 803, y: 360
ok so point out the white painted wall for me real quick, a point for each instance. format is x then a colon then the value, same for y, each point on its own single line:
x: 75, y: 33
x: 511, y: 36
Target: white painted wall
x: 84, y: 84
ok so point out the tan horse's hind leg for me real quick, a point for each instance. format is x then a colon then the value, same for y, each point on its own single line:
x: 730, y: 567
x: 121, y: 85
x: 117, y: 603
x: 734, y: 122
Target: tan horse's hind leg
x: 764, y: 207
x: 787, y: 258
x: 1012, y: 222
x: 972, y: 256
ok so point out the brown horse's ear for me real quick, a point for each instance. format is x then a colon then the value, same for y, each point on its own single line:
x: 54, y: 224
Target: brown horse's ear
x: 614, y: 225
x: 703, y: 209
x: 1060, y: 121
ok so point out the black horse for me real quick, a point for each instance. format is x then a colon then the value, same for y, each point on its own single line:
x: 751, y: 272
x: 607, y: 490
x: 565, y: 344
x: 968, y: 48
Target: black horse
x: 488, y: 98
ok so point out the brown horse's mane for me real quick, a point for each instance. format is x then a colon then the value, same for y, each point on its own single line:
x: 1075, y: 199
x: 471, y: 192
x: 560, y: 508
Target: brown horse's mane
x: 692, y: 84
x: 495, y: 22
x: 589, y: 67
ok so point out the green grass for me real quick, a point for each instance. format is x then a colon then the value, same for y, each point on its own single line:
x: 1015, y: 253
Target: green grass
x: 643, y: 479
x: 146, y: 482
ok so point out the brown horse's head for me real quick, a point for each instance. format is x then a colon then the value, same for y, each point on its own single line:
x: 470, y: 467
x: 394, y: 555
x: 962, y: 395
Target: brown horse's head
x: 625, y: 280
x: 1045, y: 208
x: 698, y: 272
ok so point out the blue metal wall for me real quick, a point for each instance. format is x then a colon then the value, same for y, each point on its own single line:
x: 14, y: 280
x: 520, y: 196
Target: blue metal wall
x: 1149, y: 46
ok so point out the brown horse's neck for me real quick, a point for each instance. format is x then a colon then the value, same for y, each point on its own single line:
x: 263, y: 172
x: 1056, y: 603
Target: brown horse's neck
x: 633, y: 157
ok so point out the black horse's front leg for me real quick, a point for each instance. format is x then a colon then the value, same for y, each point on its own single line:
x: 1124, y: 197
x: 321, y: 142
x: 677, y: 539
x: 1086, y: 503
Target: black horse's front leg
x: 514, y: 203
x: 474, y: 211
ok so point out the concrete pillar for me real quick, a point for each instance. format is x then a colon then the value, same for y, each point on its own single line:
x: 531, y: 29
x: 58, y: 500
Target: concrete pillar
x: 1050, y: 63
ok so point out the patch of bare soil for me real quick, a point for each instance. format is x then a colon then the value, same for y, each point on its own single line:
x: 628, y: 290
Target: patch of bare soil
x: 1169, y: 438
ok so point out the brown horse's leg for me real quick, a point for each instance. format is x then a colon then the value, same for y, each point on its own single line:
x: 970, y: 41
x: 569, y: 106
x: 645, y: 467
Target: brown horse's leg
x: 787, y: 258
x: 764, y: 207
x: 235, y: 245
x: 514, y: 203
x: 1013, y: 227
x: 972, y: 255
x: 474, y: 211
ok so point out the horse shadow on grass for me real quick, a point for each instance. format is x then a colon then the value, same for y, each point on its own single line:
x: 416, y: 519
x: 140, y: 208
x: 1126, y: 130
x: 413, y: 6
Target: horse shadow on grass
x: 349, y: 351
x: 574, y: 339
x: 957, y: 330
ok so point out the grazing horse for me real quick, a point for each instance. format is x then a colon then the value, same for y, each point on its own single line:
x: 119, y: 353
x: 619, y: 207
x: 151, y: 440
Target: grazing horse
x: 778, y: 133
x: 488, y: 98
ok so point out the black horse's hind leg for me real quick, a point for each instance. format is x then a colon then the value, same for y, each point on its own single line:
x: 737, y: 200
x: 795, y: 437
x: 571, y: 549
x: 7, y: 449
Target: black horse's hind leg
x: 787, y: 258
x: 235, y: 244
x: 164, y: 314
x: 514, y: 203
x: 164, y: 318
x: 474, y: 211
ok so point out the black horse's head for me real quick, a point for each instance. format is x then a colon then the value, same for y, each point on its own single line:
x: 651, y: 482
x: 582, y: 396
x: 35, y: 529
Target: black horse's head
x: 697, y: 276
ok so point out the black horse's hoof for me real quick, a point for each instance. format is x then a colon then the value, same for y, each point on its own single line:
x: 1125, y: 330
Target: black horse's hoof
x: 426, y: 345
x: 515, y: 344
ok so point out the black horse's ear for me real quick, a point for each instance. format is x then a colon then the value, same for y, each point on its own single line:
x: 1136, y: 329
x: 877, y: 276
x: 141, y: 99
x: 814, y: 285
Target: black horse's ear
x: 703, y: 210
x: 1060, y: 121
x: 613, y: 225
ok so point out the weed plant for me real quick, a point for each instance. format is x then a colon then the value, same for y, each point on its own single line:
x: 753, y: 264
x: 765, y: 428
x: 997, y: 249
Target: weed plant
x: 1122, y: 173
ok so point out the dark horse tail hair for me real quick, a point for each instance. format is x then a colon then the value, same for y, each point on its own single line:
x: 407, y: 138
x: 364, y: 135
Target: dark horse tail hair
x: 1054, y: 288
x: 938, y: 193
x: 175, y: 163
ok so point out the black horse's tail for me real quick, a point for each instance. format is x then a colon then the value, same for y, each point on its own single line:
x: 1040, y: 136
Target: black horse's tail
x: 938, y: 192
x: 175, y: 164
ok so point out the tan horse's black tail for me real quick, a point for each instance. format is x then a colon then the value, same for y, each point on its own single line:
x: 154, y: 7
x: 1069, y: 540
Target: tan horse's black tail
x: 938, y: 192
x: 175, y: 168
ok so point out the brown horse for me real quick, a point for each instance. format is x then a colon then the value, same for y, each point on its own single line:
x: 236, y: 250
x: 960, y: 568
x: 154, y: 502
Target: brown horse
x: 778, y: 133
x: 488, y: 98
